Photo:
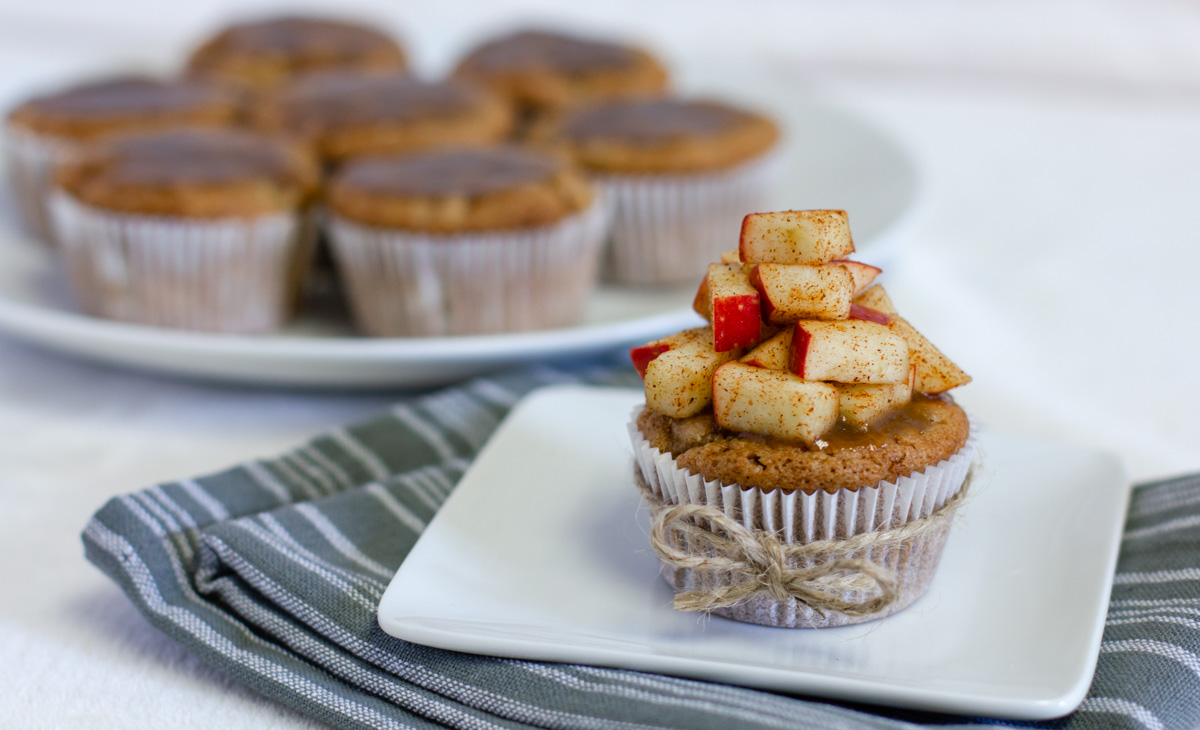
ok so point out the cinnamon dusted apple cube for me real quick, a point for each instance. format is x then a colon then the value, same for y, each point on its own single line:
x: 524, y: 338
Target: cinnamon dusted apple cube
x: 678, y: 382
x: 861, y: 274
x: 773, y: 353
x: 795, y: 237
x: 792, y: 292
x: 935, y: 373
x: 849, y: 351
x: 861, y: 403
x: 700, y: 303
x: 858, y: 311
x: 876, y: 298
x: 731, y: 257
x: 643, y: 354
x: 772, y: 402
x: 734, y: 304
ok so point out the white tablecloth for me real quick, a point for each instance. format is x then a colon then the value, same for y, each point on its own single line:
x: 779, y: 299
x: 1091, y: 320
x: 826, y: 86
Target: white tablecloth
x: 1052, y: 255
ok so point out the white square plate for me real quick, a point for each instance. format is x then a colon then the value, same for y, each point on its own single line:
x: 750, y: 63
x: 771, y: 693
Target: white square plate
x: 541, y: 553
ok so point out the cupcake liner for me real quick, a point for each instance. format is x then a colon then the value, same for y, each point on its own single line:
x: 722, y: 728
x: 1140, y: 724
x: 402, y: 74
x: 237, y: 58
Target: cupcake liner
x: 669, y: 228
x: 410, y: 283
x: 235, y: 275
x: 797, y: 517
x: 31, y: 158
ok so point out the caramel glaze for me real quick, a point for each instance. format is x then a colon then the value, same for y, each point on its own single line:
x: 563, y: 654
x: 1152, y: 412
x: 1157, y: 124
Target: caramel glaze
x: 332, y: 99
x: 452, y: 172
x: 533, y: 50
x: 126, y: 96
x: 912, y: 417
x: 649, y: 122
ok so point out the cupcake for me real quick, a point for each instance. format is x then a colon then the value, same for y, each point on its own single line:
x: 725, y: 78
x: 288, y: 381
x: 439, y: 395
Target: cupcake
x: 543, y: 73
x: 264, y: 54
x: 47, y: 130
x: 198, y: 229
x: 463, y: 241
x: 680, y: 174
x: 348, y: 114
x: 800, y: 456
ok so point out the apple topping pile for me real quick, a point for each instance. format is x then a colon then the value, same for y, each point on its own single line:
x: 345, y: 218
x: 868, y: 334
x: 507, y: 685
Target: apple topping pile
x: 798, y: 338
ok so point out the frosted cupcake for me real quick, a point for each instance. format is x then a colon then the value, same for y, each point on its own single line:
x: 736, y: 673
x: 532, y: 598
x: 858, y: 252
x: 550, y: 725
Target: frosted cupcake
x: 680, y: 174
x: 800, y: 456
x: 463, y: 241
x: 47, y: 130
x: 191, y: 228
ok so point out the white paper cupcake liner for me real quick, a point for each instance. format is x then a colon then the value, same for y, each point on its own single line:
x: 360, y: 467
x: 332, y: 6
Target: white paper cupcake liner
x: 797, y: 517
x: 30, y: 159
x: 669, y: 228
x: 235, y: 275
x: 414, y: 284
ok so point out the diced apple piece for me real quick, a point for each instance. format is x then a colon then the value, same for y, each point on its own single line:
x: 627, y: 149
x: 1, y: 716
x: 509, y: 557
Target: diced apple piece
x: 858, y: 311
x: 795, y: 237
x: 700, y: 302
x: 792, y: 292
x: 731, y: 257
x: 851, y: 351
x: 861, y: 403
x: 772, y: 402
x: 679, y: 381
x: 876, y: 298
x: 773, y: 353
x: 734, y: 304
x: 935, y: 373
x: 861, y: 274
x: 643, y: 354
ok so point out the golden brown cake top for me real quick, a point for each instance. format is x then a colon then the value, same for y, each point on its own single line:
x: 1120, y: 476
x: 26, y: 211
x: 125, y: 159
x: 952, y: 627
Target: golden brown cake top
x: 665, y: 135
x: 126, y: 104
x: 922, y: 433
x: 543, y: 70
x: 349, y: 114
x: 459, y: 189
x: 265, y: 53
x: 191, y: 172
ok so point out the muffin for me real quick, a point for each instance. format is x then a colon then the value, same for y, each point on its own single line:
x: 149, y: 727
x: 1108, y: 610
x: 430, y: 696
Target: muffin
x: 262, y: 55
x: 542, y: 73
x: 800, y: 456
x: 349, y: 114
x: 680, y: 174
x: 462, y: 241
x: 47, y: 130
x: 193, y: 228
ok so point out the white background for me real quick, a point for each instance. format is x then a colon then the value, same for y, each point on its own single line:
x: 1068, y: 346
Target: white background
x: 1052, y: 255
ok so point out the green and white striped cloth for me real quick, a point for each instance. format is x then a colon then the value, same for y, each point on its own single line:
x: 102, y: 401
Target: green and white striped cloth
x: 272, y: 571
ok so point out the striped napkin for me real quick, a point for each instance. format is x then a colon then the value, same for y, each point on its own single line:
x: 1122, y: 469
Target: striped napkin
x: 272, y: 571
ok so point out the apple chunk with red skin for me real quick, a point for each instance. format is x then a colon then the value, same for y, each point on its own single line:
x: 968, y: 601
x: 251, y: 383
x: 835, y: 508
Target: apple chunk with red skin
x: 792, y: 292
x: 795, y: 237
x: 849, y: 351
x: 861, y: 274
x: 935, y: 373
x: 643, y: 354
x: 772, y: 402
x: 734, y: 304
x: 773, y: 353
x: 678, y: 382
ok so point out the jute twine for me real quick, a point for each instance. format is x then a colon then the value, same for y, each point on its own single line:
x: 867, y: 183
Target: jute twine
x: 705, y: 540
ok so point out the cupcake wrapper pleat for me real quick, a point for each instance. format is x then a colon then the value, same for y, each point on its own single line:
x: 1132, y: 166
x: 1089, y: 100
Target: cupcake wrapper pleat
x: 31, y: 159
x: 797, y: 517
x: 407, y: 283
x: 669, y: 228
x: 236, y: 275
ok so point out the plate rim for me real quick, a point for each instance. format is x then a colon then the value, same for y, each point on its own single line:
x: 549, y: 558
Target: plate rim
x: 1052, y: 704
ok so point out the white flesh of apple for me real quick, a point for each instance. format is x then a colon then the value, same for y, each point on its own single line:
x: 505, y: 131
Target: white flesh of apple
x: 936, y: 373
x: 731, y: 257
x: 876, y: 298
x: 861, y: 274
x: 772, y: 353
x: 862, y: 403
x: 795, y: 291
x: 850, y: 351
x: 772, y: 402
x: 678, y: 382
x: 795, y: 237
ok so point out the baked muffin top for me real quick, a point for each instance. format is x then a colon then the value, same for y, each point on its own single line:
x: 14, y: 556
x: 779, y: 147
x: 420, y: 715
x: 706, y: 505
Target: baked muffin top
x: 664, y: 135
x: 923, y: 432
x: 459, y: 189
x: 347, y: 114
x: 265, y: 53
x: 126, y: 104
x: 540, y: 69
x: 191, y: 172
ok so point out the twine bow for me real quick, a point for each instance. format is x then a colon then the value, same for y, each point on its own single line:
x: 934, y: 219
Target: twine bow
x: 761, y: 563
